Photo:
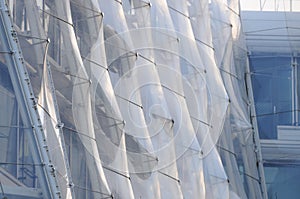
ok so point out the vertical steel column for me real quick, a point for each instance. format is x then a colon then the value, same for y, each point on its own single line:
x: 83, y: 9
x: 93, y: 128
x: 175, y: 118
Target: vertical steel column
x: 295, y: 89
x: 18, y: 140
x: 294, y: 75
x: 27, y: 103
x: 60, y: 126
x: 293, y: 92
x: 256, y: 139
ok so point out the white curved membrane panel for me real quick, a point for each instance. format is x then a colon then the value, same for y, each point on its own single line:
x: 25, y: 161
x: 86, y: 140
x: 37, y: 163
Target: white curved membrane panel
x: 134, y: 96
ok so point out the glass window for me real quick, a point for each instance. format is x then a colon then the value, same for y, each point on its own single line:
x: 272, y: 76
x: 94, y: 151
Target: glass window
x: 272, y: 88
x: 282, y: 181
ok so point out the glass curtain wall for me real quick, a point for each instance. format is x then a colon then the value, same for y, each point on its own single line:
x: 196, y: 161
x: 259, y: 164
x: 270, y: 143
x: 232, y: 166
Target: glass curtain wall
x: 272, y: 81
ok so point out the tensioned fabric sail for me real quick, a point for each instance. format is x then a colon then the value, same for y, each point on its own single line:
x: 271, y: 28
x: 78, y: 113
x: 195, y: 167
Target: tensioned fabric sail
x: 81, y: 98
x: 201, y: 20
x: 108, y: 122
x: 121, y: 62
x: 226, y: 145
x: 167, y: 59
x: 211, y: 96
x: 156, y: 113
x: 216, y: 183
x: 137, y: 98
x: 52, y: 130
x: 226, y: 50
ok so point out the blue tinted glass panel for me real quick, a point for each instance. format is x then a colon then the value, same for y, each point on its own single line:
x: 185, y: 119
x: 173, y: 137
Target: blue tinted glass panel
x: 272, y: 88
x: 282, y: 181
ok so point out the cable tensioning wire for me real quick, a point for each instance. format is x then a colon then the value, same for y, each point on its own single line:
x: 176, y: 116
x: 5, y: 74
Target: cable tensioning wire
x: 116, y: 172
x: 138, y: 105
x: 275, y: 113
x: 75, y: 131
x: 227, y: 150
x: 203, y: 122
x: 94, y: 62
x: 88, y: 17
x: 81, y: 6
x: 56, y: 17
x: 179, y: 12
x: 202, y: 42
x: 250, y: 176
x: 94, y: 191
x: 173, y: 178
x: 147, y: 4
x: 72, y: 75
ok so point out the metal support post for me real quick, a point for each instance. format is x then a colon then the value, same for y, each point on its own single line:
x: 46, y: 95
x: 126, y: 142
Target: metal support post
x: 256, y: 139
x: 27, y: 103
